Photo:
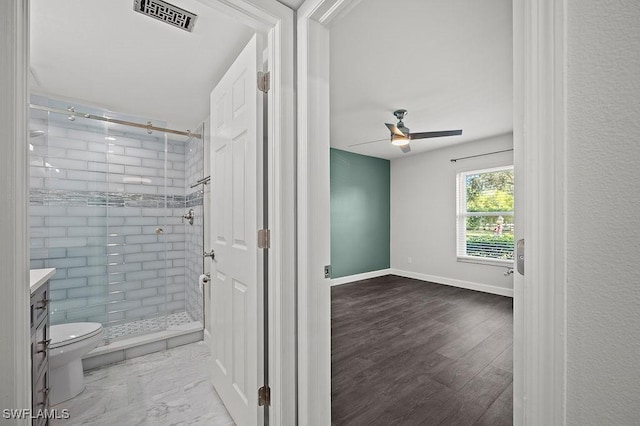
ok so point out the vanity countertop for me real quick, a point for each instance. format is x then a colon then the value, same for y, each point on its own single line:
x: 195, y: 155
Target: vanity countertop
x: 39, y: 277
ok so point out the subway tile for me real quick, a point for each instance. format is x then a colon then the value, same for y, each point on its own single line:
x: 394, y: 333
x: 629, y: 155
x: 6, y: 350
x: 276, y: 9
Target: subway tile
x: 66, y: 221
x: 121, y: 159
x: 142, y: 275
x: 175, y: 306
x: 126, y: 267
x: 158, y: 264
x: 140, y: 257
x: 58, y: 294
x: 87, y: 291
x: 67, y: 242
x: 126, y: 211
x: 68, y: 304
x: 154, y: 283
x: 140, y: 220
x: 88, y: 231
x: 97, y: 280
x: 68, y: 262
x: 143, y: 171
x: 36, y: 264
x: 125, y: 286
x: 83, y: 314
x: 124, y: 305
x: 128, y: 248
x: 89, y: 251
x: 70, y: 185
x: 85, y: 211
x: 67, y: 164
x: 86, y: 175
x: 141, y: 189
x: 141, y: 239
x: 115, y: 297
x: 66, y: 143
x: 153, y: 163
x: 87, y: 271
x: 142, y: 312
x: 155, y: 300
x: 154, y: 146
x: 74, y: 154
x: 116, y: 220
x: 126, y: 230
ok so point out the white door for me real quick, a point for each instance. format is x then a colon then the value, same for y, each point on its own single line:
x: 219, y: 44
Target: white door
x: 236, y: 214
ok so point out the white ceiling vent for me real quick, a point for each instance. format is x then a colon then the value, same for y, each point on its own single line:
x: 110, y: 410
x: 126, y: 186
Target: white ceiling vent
x: 166, y: 12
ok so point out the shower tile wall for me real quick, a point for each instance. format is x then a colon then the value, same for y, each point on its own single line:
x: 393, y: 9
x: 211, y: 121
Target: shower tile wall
x: 194, y: 158
x: 95, y: 207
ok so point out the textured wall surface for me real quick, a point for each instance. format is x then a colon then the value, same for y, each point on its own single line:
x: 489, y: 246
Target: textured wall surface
x: 423, y: 219
x: 360, y: 213
x: 603, y: 134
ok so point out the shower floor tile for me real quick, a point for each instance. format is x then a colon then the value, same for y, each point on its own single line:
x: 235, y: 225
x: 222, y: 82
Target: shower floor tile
x: 145, y: 326
x: 171, y: 387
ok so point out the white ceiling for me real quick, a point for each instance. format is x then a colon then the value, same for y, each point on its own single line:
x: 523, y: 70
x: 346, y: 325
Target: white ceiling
x: 104, y: 53
x: 449, y: 63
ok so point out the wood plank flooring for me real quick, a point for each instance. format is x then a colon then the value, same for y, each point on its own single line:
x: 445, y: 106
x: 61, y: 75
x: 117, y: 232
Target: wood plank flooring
x: 408, y: 352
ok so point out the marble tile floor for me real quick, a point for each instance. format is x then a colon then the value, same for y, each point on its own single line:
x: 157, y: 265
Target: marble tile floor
x: 169, y: 388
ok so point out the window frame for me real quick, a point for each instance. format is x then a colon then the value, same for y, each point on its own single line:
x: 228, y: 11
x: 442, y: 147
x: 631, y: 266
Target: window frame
x: 462, y: 214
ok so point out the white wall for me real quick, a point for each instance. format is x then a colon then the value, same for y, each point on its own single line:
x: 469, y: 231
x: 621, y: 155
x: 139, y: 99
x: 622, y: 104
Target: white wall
x: 423, y: 212
x: 603, y: 146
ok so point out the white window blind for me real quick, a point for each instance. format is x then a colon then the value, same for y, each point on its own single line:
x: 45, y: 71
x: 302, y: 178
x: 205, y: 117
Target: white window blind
x: 485, y: 225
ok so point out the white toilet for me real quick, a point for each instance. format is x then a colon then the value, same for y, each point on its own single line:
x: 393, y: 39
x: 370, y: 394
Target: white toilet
x: 69, y: 342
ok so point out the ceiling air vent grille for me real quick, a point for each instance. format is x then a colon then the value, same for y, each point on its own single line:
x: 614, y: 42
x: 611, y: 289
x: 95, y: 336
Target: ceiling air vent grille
x: 166, y: 12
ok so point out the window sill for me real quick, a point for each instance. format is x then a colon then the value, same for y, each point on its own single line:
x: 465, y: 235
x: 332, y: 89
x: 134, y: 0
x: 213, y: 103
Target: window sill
x: 486, y: 261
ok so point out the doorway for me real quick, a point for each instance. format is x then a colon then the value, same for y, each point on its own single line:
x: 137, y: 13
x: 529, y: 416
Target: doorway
x: 537, y: 343
x: 276, y: 22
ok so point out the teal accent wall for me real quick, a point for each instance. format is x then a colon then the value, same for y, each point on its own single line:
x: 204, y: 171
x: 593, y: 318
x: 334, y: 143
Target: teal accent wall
x: 360, y: 213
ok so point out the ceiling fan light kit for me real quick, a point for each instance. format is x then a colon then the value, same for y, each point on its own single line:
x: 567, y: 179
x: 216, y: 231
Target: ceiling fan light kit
x: 399, y: 140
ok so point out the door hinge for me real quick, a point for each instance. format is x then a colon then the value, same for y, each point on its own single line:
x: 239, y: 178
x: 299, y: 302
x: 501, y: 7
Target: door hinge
x: 264, y: 83
x: 264, y: 396
x: 264, y: 238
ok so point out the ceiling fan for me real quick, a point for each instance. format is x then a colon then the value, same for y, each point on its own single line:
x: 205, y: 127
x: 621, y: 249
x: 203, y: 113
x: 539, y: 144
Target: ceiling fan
x: 401, y: 136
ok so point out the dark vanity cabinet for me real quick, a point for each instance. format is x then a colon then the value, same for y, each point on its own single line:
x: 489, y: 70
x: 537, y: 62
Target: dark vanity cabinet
x: 40, y: 340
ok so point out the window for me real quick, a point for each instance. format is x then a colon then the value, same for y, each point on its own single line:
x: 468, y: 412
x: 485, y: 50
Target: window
x: 485, y: 215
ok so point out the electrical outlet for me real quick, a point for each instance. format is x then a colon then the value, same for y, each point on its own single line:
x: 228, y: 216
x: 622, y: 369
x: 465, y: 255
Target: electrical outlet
x: 410, y: 260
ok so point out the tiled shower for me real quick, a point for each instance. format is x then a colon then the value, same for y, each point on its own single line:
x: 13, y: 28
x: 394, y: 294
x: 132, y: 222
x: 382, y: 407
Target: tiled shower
x: 106, y: 207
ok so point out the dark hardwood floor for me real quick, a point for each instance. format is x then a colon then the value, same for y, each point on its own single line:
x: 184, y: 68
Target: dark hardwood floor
x: 408, y: 352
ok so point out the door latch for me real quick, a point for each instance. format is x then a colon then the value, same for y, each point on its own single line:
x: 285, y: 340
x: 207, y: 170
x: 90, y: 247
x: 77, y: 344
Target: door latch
x: 520, y: 256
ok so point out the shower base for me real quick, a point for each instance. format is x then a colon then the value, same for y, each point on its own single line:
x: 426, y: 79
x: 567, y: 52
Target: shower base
x: 180, y: 331
x: 135, y: 328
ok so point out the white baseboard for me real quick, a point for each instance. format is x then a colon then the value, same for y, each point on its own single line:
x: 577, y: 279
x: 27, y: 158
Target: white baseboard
x: 358, y: 277
x: 486, y: 288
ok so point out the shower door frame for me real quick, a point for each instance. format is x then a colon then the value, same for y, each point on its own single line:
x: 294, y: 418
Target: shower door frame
x: 265, y: 16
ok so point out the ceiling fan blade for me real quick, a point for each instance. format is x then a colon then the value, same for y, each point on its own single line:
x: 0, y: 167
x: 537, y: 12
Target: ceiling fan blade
x: 364, y: 143
x: 394, y: 129
x: 424, y: 135
x: 405, y: 148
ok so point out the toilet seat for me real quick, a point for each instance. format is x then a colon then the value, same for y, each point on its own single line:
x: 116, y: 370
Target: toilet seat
x: 66, y: 334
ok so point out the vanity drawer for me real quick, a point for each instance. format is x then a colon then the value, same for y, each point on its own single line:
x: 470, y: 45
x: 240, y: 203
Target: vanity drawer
x: 39, y: 305
x: 40, y: 397
x: 40, y: 340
